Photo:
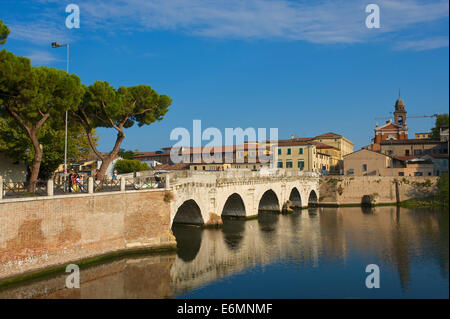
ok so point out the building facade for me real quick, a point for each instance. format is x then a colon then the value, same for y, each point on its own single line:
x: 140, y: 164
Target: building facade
x: 344, y: 145
x: 420, y: 136
x: 12, y: 172
x: 300, y: 156
x: 413, y: 147
x: 392, y: 130
x: 369, y: 163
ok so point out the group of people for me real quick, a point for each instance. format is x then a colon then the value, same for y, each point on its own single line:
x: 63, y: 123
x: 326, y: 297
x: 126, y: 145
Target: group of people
x: 76, y: 182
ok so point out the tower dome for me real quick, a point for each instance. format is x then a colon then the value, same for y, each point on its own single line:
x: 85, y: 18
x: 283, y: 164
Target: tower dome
x: 399, y: 104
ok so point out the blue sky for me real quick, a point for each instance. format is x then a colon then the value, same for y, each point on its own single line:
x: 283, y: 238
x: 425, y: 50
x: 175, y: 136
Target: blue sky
x: 305, y: 67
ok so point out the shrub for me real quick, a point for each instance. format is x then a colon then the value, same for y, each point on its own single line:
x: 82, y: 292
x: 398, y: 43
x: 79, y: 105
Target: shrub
x: 168, y: 197
x: 128, y: 166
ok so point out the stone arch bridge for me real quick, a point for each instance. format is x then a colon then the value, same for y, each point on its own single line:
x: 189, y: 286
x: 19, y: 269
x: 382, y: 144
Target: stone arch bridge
x: 203, y: 198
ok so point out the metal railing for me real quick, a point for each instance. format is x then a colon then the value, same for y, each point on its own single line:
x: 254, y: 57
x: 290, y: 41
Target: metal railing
x: 9, y: 189
x: 20, y: 189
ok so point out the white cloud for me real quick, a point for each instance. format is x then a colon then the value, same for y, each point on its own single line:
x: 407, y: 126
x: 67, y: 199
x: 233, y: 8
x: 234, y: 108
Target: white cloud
x: 41, y: 57
x: 423, y: 44
x: 38, y: 33
x: 324, y: 21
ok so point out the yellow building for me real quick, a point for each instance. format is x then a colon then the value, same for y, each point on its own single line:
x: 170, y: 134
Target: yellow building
x: 344, y: 145
x: 421, y: 136
x: 299, y: 155
x: 335, y: 163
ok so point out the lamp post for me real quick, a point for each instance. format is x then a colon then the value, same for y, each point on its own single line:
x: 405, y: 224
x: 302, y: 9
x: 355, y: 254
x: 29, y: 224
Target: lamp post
x: 57, y: 45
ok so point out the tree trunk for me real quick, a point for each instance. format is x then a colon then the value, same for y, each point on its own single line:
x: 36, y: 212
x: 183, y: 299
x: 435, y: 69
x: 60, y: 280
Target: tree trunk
x: 36, y: 165
x: 32, y: 134
x: 106, y: 160
x: 102, y: 171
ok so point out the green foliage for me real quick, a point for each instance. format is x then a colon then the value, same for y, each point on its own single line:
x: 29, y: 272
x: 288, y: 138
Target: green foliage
x: 332, y: 180
x: 129, y: 166
x: 15, y: 144
x: 126, y: 154
x: 4, y: 32
x: 33, y: 92
x: 427, y: 183
x: 105, y: 106
x: 443, y: 189
x: 405, y: 181
x: 36, y: 98
x: 340, y: 190
x: 441, y: 120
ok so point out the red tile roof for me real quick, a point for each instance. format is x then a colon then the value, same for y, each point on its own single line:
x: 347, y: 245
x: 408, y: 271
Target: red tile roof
x: 329, y: 134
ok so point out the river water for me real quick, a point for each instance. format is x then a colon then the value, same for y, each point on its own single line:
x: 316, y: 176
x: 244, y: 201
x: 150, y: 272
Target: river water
x: 316, y: 253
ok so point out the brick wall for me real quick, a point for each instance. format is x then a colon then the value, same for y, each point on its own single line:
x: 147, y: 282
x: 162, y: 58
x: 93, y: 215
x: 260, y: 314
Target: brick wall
x: 350, y: 190
x: 51, y: 231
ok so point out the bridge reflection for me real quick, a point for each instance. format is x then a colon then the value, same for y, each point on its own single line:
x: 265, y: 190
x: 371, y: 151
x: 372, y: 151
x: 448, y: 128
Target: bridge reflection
x: 307, y: 238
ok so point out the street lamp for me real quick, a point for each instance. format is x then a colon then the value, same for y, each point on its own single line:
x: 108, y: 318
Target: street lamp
x: 57, y: 45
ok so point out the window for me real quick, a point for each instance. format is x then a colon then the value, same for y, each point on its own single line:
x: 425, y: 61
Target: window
x: 300, y: 151
x: 288, y: 151
x: 406, y: 152
x: 280, y: 164
x: 418, y: 174
x: 417, y: 152
x: 204, y: 168
x: 301, y: 164
x: 364, y: 167
x: 289, y: 164
x: 401, y: 173
x: 350, y: 171
x: 279, y: 151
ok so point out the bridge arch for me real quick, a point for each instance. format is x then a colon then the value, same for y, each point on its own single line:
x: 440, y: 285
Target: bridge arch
x: 189, y: 213
x: 313, y: 200
x: 269, y: 202
x: 295, y: 198
x: 234, y: 206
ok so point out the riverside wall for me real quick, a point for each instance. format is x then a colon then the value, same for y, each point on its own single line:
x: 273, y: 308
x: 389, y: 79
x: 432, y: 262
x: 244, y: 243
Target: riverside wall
x: 52, y: 231
x: 350, y: 190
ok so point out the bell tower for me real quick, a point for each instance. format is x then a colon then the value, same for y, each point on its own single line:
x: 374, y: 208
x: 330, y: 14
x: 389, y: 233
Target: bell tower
x: 400, y: 113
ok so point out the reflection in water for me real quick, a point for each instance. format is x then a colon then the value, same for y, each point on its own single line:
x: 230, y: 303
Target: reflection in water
x: 368, y: 209
x: 268, y: 221
x: 316, y: 253
x: 188, y: 241
x: 233, y: 233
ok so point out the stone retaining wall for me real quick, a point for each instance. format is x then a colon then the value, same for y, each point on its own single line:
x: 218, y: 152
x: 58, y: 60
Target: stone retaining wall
x: 45, y: 232
x: 345, y: 190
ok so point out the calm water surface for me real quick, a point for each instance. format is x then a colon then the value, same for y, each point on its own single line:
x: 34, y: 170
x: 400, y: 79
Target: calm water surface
x: 319, y: 253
